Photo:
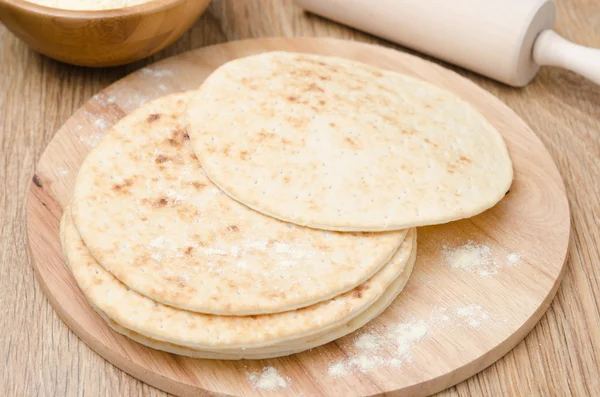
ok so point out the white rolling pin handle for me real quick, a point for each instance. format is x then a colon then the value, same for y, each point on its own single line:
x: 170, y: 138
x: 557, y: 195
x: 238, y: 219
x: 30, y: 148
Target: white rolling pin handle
x: 553, y: 50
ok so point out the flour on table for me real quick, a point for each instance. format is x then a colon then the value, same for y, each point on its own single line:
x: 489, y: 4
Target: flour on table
x: 62, y: 171
x: 269, y: 379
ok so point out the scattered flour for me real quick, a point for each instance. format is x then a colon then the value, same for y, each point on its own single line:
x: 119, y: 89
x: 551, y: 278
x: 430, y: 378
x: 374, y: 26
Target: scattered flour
x: 472, y: 315
x: 102, y: 124
x: 392, y: 346
x: 513, y: 259
x: 63, y: 171
x: 337, y: 370
x: 157, y: 73
x: 91, y: 140
x: 474, y: 258
x: 111, y: 99
x: 367, y: 342
x: 405, y: 335
x: 365, y: 363
x: 269, y: 379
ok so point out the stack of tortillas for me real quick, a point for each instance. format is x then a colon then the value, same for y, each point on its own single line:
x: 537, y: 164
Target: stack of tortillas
x: 273, y: 209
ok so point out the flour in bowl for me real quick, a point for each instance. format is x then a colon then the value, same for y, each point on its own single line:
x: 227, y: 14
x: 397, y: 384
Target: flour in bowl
x: 88, y: 5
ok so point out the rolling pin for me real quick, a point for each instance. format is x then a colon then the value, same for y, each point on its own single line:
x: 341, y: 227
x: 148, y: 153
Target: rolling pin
x: 506, y: 40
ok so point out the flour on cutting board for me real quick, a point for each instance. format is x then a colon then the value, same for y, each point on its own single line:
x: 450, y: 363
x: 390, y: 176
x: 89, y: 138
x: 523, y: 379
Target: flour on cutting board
x: 91, y: 140
x: 392, y: 346
x: 477, y: 258
x: 268, y: 379
x: 157, y: 73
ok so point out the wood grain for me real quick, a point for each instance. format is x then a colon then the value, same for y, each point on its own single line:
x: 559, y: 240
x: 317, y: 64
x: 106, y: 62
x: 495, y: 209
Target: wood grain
x: 41, y: 357
x: 531, y: 220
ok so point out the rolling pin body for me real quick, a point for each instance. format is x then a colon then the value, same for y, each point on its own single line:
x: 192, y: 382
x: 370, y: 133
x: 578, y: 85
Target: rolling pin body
x: 492, y: 38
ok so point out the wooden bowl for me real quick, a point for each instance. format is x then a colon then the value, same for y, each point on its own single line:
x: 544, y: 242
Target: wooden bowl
x: 101, y: 38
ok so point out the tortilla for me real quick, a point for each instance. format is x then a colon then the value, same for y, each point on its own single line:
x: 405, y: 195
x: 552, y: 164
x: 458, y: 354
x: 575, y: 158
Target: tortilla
x: 150, y: 216
x: 335, y: 144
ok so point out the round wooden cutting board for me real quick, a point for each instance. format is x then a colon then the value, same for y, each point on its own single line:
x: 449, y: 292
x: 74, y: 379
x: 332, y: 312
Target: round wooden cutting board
x: 449, y: 322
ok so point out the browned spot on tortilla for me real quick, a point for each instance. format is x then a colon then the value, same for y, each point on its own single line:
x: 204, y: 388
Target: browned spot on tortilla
x: 226, y: 150
x: 154, y: 179
x: 376, y: 73
x: 153, y: 117
x: 123, y: 187
x: 324, y: 247
x: 323, y: 77
x: 285, y: 141
x: 188, y: 250
x: 321, y: 102
x: 312, y: 87
x: 292, y: 98
x: 144, y: 219
x: 286, y: 179
x: 312, y: 61
x: 198, y: 185
x: 244, y: 154
x: 464, y: 159
x: 233, y: 228
x: 353, y: 144
x: 431, y: 143
x: 161, y: 159
x: 358, y: 291
x: 161, y: 202
x: 297, y: 122
x: 332, y: 125
x: 406, y: 131
x: 178, y: 136
x: 262, y: 135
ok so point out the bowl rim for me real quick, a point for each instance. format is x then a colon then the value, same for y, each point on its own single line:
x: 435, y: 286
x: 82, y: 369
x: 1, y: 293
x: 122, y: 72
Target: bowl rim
x: 144, y: 8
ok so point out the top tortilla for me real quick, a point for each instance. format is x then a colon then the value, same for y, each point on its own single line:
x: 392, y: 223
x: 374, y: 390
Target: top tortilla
x: 343, y: 145
x: 150, y: 216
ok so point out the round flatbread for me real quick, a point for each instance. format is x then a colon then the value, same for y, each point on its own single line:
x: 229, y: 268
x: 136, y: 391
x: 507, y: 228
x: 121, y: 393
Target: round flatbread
x: 140, y: 314
x: 150, y: 216
x: 344, y: 145
x: 286, y: 348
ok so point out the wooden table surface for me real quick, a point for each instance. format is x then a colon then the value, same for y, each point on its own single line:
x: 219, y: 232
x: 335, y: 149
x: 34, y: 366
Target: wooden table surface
x: 40, y: 356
